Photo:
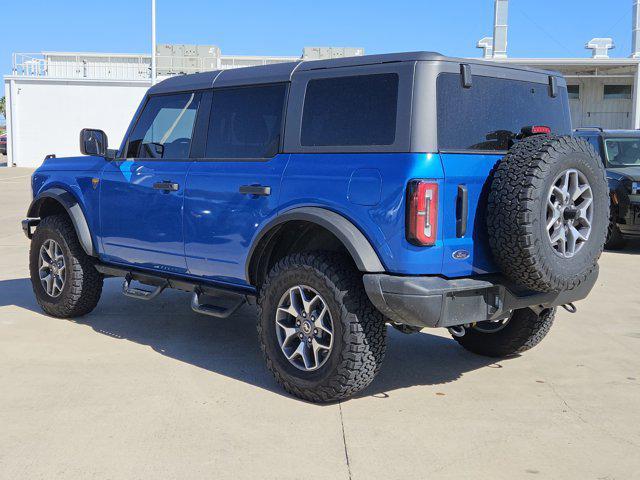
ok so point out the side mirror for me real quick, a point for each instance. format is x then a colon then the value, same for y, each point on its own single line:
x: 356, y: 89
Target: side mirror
x: 95, y: 142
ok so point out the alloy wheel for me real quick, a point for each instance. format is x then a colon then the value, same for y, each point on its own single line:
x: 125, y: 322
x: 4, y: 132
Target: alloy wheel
x: 304, y: 328
x: 52, y: 268
x: 569, y: 213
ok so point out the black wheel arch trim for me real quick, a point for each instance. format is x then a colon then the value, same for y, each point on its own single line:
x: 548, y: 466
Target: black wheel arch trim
x: 358, y: 246
x: 73, y: 209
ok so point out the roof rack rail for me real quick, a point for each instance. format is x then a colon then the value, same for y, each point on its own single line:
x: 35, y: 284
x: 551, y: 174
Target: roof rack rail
x: 600, y: 129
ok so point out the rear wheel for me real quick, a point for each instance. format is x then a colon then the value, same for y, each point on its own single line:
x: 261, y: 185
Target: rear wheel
x: 615, y: 240
x: 63, y: 276
x: 523, y: 330
x: 321, y: 337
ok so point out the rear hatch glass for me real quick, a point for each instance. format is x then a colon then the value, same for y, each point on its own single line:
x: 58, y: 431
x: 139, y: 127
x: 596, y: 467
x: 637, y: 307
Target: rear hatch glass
x: 473, y: 118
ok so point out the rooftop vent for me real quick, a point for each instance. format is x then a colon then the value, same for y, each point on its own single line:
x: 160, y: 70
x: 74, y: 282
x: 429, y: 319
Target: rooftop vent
x: 600, y: 47
x: 486, y: 44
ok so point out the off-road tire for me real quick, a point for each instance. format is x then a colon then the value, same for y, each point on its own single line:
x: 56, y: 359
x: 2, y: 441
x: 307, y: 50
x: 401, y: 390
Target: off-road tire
x: 359, y: 329
x: 516, y: 213
x: 83, y: 283
x: 525, y: 330
x: 615, y: 240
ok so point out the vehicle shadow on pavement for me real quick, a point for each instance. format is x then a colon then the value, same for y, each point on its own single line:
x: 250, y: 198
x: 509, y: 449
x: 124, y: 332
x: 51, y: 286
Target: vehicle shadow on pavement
x: 230, y: 347
x: 632, y: 247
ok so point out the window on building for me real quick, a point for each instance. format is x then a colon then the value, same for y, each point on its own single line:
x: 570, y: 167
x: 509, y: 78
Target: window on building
x: 246, y: 122
x: 165, y: 127
x: 617, y: 92
x: 485, y: 116
x: 357, y: 110
x: 574, y: 92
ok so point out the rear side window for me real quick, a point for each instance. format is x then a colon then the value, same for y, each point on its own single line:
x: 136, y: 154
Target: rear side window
x: 246, y: 122
x: 356, y: 110
x: 165, y: 127
x: 483, y: 116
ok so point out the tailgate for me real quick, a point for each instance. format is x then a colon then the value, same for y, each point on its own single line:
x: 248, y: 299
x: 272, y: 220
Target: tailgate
x: 466, y: 253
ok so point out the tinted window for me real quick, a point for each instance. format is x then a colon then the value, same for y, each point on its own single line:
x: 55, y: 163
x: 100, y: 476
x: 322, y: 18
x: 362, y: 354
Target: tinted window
x: 165, y: 127
x: 484, y: 116
x: 358, y: 110
x: 246, y: 122
x: 617, y: 92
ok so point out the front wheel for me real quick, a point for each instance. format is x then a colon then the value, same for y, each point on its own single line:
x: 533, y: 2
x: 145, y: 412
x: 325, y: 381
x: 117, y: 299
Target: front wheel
x: 321, y: 337
x: 523, y: 330
x: 64, y: 279
x: 615, y: 240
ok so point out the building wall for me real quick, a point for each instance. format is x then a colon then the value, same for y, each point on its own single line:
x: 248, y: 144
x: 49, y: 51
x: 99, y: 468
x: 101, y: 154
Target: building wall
x: 46, y: 115
x: 593, y: 110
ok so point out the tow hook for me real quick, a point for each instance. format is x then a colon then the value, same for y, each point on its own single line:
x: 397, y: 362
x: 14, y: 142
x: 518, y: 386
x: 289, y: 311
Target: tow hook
x: 457, y: 331
x: 570, y: 307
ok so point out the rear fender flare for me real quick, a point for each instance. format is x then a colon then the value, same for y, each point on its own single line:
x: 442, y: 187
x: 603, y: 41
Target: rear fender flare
x: 358, y: 246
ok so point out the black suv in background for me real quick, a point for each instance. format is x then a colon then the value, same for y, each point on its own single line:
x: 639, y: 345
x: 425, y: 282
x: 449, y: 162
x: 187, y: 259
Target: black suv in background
x: 620, y: 152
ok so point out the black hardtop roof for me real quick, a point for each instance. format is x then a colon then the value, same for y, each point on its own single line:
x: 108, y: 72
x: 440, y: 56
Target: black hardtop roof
x: 282, y: 72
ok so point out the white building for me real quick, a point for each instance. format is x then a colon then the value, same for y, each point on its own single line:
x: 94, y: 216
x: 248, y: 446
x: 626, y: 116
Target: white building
x: 603, y: 91
x: 51, y: 96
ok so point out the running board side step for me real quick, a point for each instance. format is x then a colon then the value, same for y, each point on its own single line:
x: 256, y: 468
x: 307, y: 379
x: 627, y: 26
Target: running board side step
x: 231, y: 299
x: 214, y: 310
x: 139, y: 293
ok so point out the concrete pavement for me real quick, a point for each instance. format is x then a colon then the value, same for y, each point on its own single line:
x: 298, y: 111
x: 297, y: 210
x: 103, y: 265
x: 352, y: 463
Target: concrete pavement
x: 152, y: 390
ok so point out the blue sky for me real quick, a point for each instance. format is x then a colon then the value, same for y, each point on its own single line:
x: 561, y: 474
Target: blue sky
x: 542, y: 28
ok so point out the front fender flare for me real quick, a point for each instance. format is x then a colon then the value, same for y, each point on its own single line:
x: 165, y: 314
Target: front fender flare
x: 358, y: 246
x: 71, y: 205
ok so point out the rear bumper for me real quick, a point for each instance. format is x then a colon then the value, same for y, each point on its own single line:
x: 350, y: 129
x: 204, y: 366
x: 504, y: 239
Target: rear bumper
x: 440, y: 302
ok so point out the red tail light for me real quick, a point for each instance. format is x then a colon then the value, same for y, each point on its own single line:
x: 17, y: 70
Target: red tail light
x: 422, y: 212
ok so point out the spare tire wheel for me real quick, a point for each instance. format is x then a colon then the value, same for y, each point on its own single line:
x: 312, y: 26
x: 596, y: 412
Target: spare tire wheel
x: 548, y: 212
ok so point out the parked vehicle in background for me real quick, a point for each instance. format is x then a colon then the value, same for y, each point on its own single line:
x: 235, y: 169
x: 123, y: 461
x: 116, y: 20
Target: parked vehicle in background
x: 3, y: 144
x: 620, y: 153
x: 411, y: 189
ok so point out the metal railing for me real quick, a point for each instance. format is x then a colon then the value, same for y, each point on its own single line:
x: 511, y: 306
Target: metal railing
x: 126, y: 67
x: 82, y: 66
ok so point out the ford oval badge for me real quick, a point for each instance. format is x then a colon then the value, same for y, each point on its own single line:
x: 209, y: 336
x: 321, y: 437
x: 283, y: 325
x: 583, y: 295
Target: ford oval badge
x: 460, y: 254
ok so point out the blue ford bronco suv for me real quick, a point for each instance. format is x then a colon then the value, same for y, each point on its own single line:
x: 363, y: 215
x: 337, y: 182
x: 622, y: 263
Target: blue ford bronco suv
x: 620, y: 153
x: 339, y: 196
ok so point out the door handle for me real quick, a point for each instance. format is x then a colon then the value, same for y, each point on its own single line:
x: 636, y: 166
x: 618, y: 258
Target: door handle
x: 166, y: 186
x: 462, y: 211
x: 255, y: 190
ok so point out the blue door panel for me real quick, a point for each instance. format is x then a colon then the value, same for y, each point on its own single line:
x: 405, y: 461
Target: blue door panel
x: 471, y: 171
x: 141, y: 225
x: 220, y: 223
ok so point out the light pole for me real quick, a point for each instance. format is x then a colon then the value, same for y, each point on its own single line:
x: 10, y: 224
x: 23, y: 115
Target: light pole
x: 153, y: 42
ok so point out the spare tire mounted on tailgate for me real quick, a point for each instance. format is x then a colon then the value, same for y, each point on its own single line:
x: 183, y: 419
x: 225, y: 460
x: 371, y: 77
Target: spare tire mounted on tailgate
x: 548, y: 212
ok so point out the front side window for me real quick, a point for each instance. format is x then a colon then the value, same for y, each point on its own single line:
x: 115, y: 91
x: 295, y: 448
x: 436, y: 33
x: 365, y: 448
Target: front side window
x: 165, y: 127
x: 622, y: 152
x: 350, y: 111
x: 487, y: 115
x: 246, y: 122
